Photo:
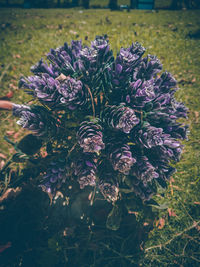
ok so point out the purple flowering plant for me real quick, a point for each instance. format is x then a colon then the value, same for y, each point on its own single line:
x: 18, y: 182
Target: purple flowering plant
x: 109, y: 123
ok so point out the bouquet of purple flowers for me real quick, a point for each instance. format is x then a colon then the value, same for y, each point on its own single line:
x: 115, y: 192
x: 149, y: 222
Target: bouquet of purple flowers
x: 109, y: 123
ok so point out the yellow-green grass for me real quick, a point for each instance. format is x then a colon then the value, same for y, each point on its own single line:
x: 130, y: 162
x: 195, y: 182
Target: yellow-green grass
x: 27, y: 35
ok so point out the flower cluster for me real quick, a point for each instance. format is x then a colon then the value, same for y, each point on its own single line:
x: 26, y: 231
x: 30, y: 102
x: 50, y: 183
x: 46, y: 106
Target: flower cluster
x: 116, y: 119
x: 56, y: 175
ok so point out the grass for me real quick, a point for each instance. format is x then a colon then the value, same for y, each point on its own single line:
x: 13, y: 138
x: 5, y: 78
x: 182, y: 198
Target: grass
x: 27, y: 35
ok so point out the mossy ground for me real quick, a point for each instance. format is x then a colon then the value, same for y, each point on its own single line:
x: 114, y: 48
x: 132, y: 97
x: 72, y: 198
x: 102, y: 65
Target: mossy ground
x: 27, y: 35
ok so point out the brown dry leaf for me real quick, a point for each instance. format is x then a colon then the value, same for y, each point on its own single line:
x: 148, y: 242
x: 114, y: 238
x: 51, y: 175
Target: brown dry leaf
x: 160, y: 223
x: 193, y: 80
x: 7, y: 96
x: 196, y: 114
x: 171, y: 187
x: 2, y: 156
x: 172, y: 180
x: 177, y: 188
x: 2, y: 163
x: 4, y: 247
x: 196, y: 225
x: 13, y: 86
x: 197, y: 203
x: 10, y: 132
x: 16, y: 135
x: 171, y: 213
x: 73, y: 32
x: 16, y: 56
x: 11, y: 192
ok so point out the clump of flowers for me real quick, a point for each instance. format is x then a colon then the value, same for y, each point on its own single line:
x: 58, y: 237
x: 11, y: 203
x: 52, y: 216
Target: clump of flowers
x: 112, y: 122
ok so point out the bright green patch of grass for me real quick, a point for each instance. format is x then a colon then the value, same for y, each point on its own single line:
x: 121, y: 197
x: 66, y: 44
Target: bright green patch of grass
x: 27, y: 35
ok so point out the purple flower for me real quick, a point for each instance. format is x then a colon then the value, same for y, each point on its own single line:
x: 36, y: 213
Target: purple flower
x: 100, y: 44
x: 149, y: 136
x: 65, y: 57
x: 147, y: 69
x: 17, y: 109
x: 44, y: 68
x: 109, y: 191
x: 140, y: 93
x: 120, y: 118
x: 144, y: 171
x: 89, y: 54
x: 85, y: 170
x: 90, y: 136
x: 72, y: 93
x: 120, y: 156
x: 55, y: 176
x: 35, y: 119
x: 43, y: 87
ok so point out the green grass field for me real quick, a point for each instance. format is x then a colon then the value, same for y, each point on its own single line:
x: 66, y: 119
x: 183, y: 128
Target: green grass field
x: 27, y: 35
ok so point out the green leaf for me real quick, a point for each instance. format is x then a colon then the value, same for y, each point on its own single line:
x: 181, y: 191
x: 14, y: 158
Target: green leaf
x: 30, y: 144
x: 114, y: 218
x: 160, y: 207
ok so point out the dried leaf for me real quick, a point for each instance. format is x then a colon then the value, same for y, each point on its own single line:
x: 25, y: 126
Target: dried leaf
x: 2, y: 163
x: 4, y: 247
x: 160, y: 223
x: 171, y: 213
x: 10, y: 132
x: 11, y: 192
x: 2, y: 156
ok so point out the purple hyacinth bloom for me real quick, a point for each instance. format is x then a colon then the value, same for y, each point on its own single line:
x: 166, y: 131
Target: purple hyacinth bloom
x: 140, y: 93
x: 144, y: 192
x: 120, y: 156
x: 44, y: 68
x: 17, y: 109
x: 89, y: 54
x: 144, y: 171
x: 100, y: 44
x: 55, y: 176
x: 36, y: 119
x: 65, y: 57
x: 43, y: 87
x: 177, y: 130
x: 109, y: 191
x: 32, y: 122
x: 85, y: 169
x: 149, y: 136
x: 165, y: 83
x: 120, y: 118
x: 148, y: 68
x: 90, y: 136
x: 72, y: 93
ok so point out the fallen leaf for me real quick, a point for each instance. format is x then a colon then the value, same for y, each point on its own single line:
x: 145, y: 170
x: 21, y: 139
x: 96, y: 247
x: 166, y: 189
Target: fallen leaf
x: 11, y: 192
x: 2, y: 156
x: 2, y: 163
x: 10, y: 132
x: 196, y: 113
x: 197, y: 203
x: 171, y: 213
x: 4, y: 247
x: 7, y: 96
x: 160, y: 223
x: 16, y: 135
x: 73, y: 32
x: 16, y: 56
